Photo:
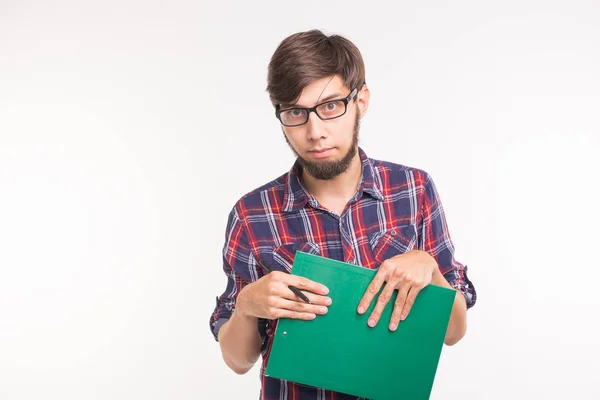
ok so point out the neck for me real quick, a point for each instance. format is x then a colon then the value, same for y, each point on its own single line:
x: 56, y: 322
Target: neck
x: 342, y: 187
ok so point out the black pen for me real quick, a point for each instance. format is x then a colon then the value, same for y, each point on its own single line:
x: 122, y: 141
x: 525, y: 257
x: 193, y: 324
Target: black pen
x: 294, y: 289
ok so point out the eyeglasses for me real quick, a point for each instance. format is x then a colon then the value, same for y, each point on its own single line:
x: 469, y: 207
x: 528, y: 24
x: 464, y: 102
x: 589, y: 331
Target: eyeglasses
x: 327, y: 110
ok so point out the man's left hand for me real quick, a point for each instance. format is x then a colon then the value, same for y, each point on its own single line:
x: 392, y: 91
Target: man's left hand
x: 408, y: 273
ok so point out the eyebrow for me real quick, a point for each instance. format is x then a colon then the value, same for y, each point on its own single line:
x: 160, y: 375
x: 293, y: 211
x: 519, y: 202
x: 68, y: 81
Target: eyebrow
x: 323, y: 100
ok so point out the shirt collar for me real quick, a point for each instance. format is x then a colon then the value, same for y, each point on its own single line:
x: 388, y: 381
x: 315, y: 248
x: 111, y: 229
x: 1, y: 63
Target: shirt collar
x: 296, y: 196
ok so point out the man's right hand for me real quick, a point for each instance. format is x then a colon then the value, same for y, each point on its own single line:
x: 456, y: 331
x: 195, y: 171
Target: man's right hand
x: 270, y: 298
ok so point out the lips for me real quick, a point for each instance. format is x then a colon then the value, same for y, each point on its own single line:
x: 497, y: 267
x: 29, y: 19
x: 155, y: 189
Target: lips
x: 320, y: 153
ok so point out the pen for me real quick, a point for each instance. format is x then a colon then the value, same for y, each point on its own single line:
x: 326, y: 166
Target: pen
x: 294, y: 289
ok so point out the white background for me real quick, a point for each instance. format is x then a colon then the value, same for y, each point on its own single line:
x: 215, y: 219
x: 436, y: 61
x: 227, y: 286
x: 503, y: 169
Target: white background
x: 128, y: 129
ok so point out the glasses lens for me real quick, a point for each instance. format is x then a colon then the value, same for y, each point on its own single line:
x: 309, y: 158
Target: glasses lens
x: 294, y: 116
x: 331, y: 109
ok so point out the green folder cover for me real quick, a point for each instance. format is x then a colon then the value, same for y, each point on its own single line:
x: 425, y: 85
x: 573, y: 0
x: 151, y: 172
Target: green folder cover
x: 339, y: 351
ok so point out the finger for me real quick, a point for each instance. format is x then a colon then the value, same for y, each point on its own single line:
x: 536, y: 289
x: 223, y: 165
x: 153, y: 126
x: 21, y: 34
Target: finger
x: 303, y: 283
x: 403, y: 291
x: 281, y: 313
x: 302, y: 307
x: 282, y: 290
x: 373, y: 289
x: 284, y: 308
x: 318, y: 300
x: 382, y: 301
x: 410, y: 300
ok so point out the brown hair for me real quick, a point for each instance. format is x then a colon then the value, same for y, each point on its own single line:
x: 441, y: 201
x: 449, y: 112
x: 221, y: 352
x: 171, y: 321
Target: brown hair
x: 307, y: 56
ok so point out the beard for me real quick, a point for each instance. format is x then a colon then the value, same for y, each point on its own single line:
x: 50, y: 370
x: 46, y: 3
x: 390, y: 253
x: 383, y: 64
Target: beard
x: 330, y: 169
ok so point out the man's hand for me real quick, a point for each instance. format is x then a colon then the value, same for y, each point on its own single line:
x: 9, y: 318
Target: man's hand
x: 408, y: 273
x: 271, y: 298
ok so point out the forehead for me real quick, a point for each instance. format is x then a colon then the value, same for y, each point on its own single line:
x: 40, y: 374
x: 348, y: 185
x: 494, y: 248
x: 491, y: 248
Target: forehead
x: 320, y: 89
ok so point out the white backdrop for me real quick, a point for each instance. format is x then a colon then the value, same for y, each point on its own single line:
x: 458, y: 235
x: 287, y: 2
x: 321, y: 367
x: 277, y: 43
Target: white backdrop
x: 128, y: 129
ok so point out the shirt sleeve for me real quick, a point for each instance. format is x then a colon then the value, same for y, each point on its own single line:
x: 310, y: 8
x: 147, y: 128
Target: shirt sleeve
x: 240, y: 268
x: 435, y: 239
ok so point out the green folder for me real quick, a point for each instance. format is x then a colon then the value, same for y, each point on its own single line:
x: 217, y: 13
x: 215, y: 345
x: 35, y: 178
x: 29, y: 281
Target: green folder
x: 339, y: 351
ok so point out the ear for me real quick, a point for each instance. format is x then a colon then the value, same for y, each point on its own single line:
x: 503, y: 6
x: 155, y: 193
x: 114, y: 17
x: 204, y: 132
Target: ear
x: 362, y: 98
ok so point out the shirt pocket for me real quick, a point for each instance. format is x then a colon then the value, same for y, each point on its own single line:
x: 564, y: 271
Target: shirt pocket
x: 392, y: 242
x: 282, y: 256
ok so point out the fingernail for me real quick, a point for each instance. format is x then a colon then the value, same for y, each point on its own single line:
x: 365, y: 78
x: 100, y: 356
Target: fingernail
x: 393, y: 326
x: 403, y: 317
x: 361, y: 309
x: 371, y: 322
x: 323, y: 310
x: 328, y: 301
x: 324, y: 290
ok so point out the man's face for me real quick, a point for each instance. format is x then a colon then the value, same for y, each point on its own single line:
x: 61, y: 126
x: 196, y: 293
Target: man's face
x: 326, y: 148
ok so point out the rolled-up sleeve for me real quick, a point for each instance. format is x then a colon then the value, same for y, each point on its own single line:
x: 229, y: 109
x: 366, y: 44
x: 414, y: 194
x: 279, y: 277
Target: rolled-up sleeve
x: 435, y: 238
x: 240, y: 268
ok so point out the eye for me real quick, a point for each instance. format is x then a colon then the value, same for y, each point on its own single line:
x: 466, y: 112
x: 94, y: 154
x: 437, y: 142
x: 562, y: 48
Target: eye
x: 331, y: 106
x: 296, y: 113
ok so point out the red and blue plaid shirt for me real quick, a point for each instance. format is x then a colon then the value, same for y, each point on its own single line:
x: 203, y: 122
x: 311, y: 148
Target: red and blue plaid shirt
x: 395, y: 209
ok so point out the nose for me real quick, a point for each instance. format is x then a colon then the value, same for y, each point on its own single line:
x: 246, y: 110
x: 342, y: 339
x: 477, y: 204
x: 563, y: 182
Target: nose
x: 315, y: 127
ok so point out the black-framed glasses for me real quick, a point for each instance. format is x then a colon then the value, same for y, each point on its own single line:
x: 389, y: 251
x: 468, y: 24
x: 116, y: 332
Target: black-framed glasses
x: 327, y: 110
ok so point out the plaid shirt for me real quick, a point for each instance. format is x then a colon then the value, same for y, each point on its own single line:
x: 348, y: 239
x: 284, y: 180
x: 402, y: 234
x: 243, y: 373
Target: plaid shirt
x: 395, y: 209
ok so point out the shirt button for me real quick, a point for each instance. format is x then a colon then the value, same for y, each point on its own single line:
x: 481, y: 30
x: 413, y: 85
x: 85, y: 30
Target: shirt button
x: 393, y: 232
